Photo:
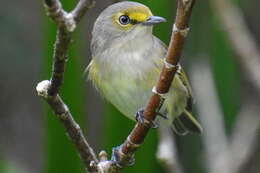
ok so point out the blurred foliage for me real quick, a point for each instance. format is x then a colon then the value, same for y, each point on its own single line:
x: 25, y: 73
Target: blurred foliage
x: 7, y: 167
x: 226, y: 76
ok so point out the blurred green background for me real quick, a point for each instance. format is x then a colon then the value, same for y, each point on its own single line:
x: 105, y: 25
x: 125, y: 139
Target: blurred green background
x: 31, y: 138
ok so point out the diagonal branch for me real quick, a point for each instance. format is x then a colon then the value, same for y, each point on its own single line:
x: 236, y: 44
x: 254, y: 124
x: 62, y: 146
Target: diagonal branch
x: 66, y: 24
x: 81, y: 9
x: 123, y: 155
x: 73, y: 129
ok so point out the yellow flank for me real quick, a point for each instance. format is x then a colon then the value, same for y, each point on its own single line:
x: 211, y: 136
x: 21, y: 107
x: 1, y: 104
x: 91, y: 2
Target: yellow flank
x: 93, y: 74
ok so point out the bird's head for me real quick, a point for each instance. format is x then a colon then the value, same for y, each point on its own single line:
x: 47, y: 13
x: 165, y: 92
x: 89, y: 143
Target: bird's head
x: 124, y: 20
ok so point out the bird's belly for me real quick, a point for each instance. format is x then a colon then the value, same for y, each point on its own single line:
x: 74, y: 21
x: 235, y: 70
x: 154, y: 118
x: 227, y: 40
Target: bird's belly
x: 127, y: 83
x: 128, y: 95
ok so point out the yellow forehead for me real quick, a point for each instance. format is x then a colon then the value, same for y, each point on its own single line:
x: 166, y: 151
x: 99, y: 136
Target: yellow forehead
x: 139, y: 14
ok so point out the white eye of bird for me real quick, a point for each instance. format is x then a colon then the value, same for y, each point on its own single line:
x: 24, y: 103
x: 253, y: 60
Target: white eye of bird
x: 124, y: 20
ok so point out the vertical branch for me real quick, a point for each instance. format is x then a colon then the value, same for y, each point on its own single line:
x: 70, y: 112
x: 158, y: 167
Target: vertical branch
x: 63, y: 39
x: 66, y: 24
x: 122, y: 155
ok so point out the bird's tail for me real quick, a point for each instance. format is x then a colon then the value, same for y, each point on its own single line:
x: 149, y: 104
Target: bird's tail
x: 185, y: 124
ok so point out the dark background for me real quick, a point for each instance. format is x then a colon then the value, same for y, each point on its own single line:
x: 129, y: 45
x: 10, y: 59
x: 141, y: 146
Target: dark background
x: 31, y: 138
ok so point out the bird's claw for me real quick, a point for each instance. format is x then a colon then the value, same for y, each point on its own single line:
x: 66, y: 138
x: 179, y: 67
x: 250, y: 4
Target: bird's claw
x: 139, y: 117
x: 117, y: 158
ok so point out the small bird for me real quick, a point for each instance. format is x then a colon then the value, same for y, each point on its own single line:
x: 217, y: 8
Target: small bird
x: 126, y: 63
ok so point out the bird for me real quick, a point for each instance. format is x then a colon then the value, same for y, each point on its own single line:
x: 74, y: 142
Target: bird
x: 126, y: 63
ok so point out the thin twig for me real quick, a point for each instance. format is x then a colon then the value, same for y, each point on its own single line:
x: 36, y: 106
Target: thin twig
x: 66, y: 24
x: 242, y: 41
x: 81, y: 9
x: 123, y: 155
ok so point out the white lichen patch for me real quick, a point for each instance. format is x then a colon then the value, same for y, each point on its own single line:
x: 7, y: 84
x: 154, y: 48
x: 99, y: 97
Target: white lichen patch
x: 42, y: 88
x: 70, y: 22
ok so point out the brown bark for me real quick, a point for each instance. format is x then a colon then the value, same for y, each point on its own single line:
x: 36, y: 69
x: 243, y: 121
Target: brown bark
x: 140, y: 131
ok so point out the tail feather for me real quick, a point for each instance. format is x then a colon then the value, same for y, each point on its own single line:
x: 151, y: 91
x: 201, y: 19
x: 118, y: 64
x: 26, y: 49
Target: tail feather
x: 185, y: 124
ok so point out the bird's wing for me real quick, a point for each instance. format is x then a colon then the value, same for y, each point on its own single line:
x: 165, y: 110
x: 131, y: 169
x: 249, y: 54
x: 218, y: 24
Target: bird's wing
x: 182, y: 75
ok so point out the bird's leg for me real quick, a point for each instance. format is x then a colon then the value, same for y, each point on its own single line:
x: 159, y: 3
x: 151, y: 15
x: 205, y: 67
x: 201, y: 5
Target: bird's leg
x: 140, y: 118
x: 162, y: 115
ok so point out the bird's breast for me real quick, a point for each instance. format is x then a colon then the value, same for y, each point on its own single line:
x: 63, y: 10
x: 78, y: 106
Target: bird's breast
x: 126, y: 80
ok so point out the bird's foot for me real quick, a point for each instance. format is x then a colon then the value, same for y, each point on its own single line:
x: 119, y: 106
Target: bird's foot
x: 120, y: 159
x: 141, y: 119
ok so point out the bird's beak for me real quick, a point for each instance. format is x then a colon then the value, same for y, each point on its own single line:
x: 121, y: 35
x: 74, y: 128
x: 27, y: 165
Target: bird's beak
x: 154, y: 20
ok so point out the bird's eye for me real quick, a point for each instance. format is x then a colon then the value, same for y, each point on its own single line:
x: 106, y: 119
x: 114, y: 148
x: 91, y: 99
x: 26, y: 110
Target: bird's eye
x: 124, y: 20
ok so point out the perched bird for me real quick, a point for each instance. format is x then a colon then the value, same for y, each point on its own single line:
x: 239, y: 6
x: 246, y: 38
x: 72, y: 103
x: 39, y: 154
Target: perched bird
x: 126, y: 63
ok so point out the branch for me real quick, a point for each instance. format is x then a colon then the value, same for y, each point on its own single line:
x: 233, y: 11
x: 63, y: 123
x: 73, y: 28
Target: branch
x: 123, y: 155
x: 81, y: 9
x: 242, y: 42
x: 66, y: 23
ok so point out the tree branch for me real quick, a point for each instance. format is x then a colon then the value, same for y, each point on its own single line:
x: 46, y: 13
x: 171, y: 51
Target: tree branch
x: 81, y: 9
x: 123, y: 155
x: 66, y: 23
